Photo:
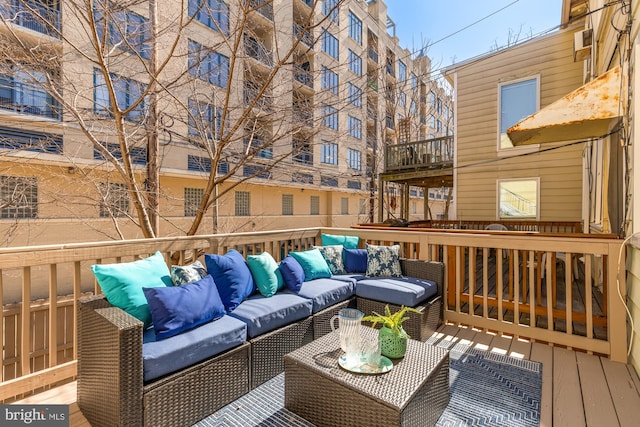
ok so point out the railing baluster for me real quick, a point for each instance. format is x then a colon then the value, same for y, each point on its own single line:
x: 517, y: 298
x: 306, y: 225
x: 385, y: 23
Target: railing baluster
x: 485, y: 282
x: 459, y: 267
x: 516, y: 287
x: 53, y: 315
x: 472, y: 280
x: 532, y: 289
x: 500, y: 284
x: 568, y: 280
x: 550, y: 275
x: 77, y: 290
x: 25, y: 313
x: 588, y: 302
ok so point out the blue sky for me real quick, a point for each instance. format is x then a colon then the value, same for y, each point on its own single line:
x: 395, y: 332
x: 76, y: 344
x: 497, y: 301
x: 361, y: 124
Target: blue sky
x: 426, y: 21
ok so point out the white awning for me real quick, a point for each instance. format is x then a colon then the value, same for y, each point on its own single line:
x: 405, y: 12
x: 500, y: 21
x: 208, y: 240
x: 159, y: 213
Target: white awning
x: 587, y: 112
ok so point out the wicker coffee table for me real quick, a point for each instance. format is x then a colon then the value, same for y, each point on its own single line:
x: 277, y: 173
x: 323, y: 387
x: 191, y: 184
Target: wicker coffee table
x: 414, y: 393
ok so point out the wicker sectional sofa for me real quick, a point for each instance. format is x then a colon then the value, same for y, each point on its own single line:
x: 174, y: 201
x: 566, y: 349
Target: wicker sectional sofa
x: 113, y: 384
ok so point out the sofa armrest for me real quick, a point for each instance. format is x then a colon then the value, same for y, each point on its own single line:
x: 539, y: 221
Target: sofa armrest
x: 110, y: 375
x: 428, y: 270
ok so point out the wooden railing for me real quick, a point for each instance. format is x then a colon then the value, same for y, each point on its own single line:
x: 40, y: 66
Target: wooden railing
x: 511, y: 225
x: 430, y: 153
x: 38, y: 332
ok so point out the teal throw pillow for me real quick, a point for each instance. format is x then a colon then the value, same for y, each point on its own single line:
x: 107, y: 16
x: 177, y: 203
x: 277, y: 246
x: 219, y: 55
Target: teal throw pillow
x: 383, y: 261
x: 183, y: 274
x: 333, y: 256
x: 348, y: 242
x: 313, y: 264
x: 266, y: 274
x: 122, y: 283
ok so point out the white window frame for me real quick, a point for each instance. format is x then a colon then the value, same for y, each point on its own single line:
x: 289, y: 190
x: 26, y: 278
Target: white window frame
x: 500, y: 181
x: 509, y: 150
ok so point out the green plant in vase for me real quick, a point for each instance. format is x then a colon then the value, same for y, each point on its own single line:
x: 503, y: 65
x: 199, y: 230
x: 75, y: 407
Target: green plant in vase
x: 393, y: 338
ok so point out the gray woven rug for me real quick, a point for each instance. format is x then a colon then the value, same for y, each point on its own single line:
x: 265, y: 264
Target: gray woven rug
x: 487, y: 389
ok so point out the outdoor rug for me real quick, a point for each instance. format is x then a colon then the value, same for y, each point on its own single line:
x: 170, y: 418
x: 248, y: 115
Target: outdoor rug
x: 487, y: 389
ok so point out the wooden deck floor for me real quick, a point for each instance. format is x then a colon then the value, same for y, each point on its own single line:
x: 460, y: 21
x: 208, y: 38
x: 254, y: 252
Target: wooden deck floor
x: 577, y: 389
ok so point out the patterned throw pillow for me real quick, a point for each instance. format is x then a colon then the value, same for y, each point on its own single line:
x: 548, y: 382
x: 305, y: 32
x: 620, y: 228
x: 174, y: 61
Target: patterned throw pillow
x: 383, y: 261
x: 183, y: 274
x: 333, y: 256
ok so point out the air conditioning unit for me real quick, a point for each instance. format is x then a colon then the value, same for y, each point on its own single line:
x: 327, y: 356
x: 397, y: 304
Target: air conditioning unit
x: 582, y: 42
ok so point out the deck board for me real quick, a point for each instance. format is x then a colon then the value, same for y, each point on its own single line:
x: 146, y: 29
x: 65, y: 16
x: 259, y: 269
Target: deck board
x: 573, y: 384
x: 597, y: 402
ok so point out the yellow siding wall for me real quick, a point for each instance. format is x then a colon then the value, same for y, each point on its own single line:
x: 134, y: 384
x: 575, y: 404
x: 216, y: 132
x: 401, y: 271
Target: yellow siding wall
x: 633, y: 301
x: 559, y: 171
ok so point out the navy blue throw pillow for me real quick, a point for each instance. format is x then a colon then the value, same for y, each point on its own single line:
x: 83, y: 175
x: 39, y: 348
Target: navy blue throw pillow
x: 355, y: 260
x: 292, y: 273
x: 175, y: 309
x: 232, y: 276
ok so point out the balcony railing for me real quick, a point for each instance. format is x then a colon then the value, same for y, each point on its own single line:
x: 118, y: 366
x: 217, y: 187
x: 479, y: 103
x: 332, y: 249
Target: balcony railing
x: 303, y: 76
x: 303, y: 114
x: 257, y: 51
x: 33, y: 103
x: 264, y: 102
x: 305, y: 36
x: 373, y: 55
x: 263, y: 7
x: 431, y: 153
x: 39, y: 335
x: 27, y: 13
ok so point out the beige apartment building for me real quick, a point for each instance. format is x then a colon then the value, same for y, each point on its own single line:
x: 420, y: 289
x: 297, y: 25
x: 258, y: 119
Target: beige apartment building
x: 290, y: 102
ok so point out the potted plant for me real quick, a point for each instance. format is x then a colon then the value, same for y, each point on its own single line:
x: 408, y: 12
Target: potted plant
x: 393, y: 338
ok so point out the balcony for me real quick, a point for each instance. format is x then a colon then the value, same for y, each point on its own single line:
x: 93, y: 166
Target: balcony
x: 305, y: 36
x: 263, y: 7
x: 303, y: 76
x: 302, y: 115
x: 24, y: 98
x: 389, y: 122
x: 254, y: 49
x: 423, y: 154
x: 250, y: 95
x: 482, y: 309
x: 28, y: 13
x: 373, y: 54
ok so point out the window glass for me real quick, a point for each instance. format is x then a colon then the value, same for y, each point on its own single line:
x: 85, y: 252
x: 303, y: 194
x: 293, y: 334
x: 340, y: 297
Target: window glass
x: 329, y: 153
x: 212, y: 13
x: 330, y: 45
x: 355, y: 63
x: 329, y: 80
x: 330, y: 8
x: 208, y: 65
x: 355, y: 28
x: 287, y: 204
x: 314, y: 205
x: 355, y: 95
x: 355, y: 127
x: 192, y: 199
x: 330, y: 117
x: 353, y: 159
x: 517, y: 101
x: 402, y: 71
x: 518, y: 198
x: 18, y: 197
x: 242, y: 203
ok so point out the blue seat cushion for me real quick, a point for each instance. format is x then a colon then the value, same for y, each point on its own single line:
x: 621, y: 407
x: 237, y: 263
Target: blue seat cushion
x: 406, y: 291
x: 162, y: 357
x: 262, y: 315
x: 327, y: 292
x: 349, y: 277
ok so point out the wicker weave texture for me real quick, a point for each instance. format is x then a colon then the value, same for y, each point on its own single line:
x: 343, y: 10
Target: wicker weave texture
x: 268, y: 350
x: 110, y: 375
x: 414, y: 393
x: 322, y: 319
x: 188, y: 396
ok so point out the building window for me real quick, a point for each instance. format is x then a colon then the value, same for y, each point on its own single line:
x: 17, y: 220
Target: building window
x: 402, y: 99
x: 302, y: 151
x: 302, y: 178
x: 518, y: 198
x: 192, y: 199
x: 516, y: 101
x: 204, y: 120
x: 364, y: 206
x: 29, y: 140
x: 330, y: 8
x: 18, y: 197
x: 344, y: 205
x: 212, y: 13
x: 438, y: 126
x: 314, y: 209
x: 127, y: 92
x: 125, y: 29
x: 115, y: 199
x: 137, y: 155
x: 199, y: 163
x: 255, y: 171
x: 355, y: 28
x: 414, y: 82
x: 327, y: 181
x: 287, y: 204
x: 329, y: 117
x: 355, y: 127
x: 432, y: 99
x: 258, y: 147
x: 355, y: 95
x: 355, y: 63
x: 353, y: 159
x: 22, y: 92
x: 329, y: 80
x: 208, y: 65
x: 432, y: 121
x: 402, y: 71
x: 330, y: 45
x: 354, y: 185
x: 243, y: 207
x: 329, y: 153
